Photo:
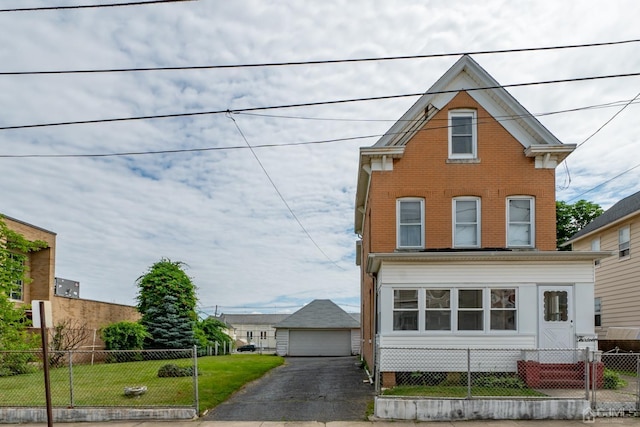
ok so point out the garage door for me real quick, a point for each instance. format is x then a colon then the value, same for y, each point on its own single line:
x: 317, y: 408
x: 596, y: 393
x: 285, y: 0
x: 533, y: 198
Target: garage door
x: 319, y: 343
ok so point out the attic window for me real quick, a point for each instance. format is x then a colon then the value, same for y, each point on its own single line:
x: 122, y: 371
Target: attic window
x: 463, y: 134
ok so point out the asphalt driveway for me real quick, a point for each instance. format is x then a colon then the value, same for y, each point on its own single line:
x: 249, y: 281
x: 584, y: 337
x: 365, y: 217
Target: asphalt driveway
x: 303, y: 389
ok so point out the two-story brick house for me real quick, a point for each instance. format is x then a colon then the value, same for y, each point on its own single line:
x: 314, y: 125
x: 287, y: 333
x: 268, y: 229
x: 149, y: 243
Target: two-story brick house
x: 455, y: 210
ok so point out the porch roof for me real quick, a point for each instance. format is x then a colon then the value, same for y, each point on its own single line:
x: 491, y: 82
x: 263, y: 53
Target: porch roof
x: 375, y: 260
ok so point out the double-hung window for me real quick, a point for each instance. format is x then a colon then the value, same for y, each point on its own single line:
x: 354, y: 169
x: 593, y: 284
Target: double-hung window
x: 597, y: 311
x: 405, y: 310
x: 470, y: 310
x: 624, y: 238
x: 503, y: 310
x: 520, y: 222
x: 466, y: 222
x: 462, y: 134
x: 410, y: 230
x: 437, y: 316
x: 16, y: 289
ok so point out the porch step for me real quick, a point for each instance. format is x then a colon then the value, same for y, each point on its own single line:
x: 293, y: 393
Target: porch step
x: 559, y: 375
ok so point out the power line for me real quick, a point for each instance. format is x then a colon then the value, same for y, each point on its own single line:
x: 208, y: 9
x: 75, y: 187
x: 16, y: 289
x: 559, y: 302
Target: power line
x: 609, y: 121
x: 91, y: 6
x: 317, y: 62
x: 275, y: 187
x: 315, y: 104
x: 316, y: 142
x: 604, y: 183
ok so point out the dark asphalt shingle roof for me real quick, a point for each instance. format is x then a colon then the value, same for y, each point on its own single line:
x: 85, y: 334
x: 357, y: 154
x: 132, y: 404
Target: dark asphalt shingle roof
x: 320, y: 314
x: 252, y: 319
x: 624, y: 207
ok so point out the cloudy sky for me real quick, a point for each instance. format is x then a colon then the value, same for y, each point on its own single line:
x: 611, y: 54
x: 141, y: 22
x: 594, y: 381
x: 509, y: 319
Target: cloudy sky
x: 271, y: 228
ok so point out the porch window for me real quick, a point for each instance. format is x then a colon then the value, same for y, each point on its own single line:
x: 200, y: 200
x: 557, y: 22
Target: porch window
x: 503, y: 309
x: 470, y: 310
x: 520, y: 222
x: 624, y: 237
x: 466, y: 228
x: 437, y: 310
x: 405, y: 310
x: 410, y: 214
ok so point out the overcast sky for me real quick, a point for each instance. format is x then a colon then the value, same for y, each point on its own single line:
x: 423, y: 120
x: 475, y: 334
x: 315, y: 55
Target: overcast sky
x: 269, y: 243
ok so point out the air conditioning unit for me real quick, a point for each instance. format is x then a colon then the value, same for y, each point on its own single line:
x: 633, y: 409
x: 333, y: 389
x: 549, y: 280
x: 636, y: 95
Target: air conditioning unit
x: 67, y: 288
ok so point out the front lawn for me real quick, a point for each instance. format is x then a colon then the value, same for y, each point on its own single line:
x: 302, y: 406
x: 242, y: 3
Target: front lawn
x: 460, y: 391
x: 103, y: 384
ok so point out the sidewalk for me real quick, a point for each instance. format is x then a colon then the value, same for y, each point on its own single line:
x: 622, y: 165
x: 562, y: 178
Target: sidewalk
x: 475, y: 423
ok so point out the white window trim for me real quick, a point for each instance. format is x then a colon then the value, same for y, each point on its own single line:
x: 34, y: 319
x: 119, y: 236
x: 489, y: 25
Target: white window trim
x: 453, y: 309
x: 532, y: 221
x: 474, y: 133
x: 624, y: 245
x: 417, y: 310
x: 478, y: 221
x: 422, y: 215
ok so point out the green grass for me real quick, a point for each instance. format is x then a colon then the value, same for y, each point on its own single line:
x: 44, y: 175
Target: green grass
x: 103, y: 384
x: 459, y: 391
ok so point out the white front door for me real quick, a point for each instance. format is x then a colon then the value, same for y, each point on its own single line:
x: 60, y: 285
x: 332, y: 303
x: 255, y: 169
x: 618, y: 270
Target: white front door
x: 555, y: 312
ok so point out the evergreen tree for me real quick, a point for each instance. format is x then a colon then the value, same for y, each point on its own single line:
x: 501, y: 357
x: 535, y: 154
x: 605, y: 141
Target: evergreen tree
x: 167, y: 301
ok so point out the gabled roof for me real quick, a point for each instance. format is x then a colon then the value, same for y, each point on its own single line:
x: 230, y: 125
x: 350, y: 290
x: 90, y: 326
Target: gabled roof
x: 252, y: 319
x: 467, y: 75
x: 320, y: 314
x: 464, y: 75
x: 625, y: 207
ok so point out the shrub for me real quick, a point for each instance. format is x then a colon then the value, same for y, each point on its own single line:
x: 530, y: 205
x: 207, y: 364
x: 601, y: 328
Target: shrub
x: 171, y: 370
x: 499, y: 381
x: 612, y: 380
x: 124, y: 336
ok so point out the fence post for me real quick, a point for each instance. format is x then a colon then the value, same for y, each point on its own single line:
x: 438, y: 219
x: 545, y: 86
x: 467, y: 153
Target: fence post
x: 468, y: 373
x: 196, y: 396
x: 71, y: 378
x: 587, y: 369
x: 638, y: 386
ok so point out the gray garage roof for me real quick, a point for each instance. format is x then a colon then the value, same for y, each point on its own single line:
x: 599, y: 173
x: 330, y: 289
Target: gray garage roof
x: 319, y: 314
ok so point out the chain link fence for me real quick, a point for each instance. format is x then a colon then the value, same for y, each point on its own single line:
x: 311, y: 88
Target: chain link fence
x: 609, y: 381
x: 101, y: 378
x: 620, y: 390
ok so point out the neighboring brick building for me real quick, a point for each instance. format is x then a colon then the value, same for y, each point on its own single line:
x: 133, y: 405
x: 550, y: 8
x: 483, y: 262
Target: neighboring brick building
x: 455, y: 209
x: 41, y: 269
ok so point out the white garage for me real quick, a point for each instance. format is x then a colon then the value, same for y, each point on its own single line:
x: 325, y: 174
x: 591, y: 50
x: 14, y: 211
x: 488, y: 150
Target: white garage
x: 320, y: 328
x: 304, y: 342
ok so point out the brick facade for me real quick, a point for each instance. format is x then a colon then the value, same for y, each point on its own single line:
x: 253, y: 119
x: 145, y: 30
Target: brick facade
x: 41, y: 269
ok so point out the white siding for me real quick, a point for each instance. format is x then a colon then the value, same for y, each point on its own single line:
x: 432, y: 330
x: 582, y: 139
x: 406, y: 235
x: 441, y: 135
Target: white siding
x: 489, y: 272
x: 282, y: 342
x: 525, y: 277
x: 355, y: 341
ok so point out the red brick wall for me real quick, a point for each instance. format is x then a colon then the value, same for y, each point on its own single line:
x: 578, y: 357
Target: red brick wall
x: 423, y: 171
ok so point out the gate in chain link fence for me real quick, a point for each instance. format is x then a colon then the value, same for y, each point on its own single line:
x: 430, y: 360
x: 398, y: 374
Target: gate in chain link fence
x: 608, y: 381
x: 101, y: 378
